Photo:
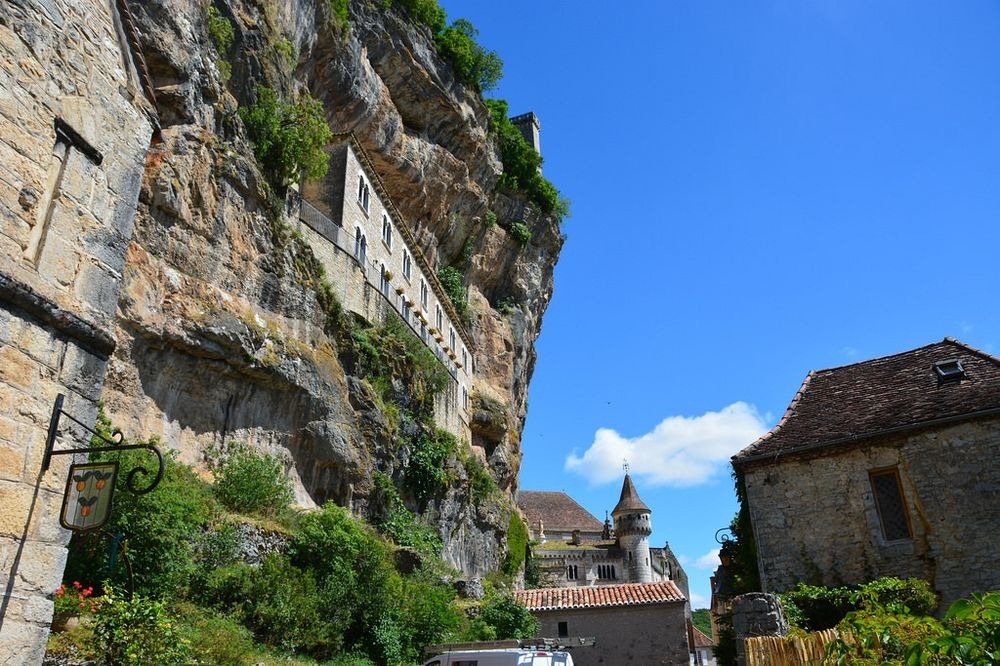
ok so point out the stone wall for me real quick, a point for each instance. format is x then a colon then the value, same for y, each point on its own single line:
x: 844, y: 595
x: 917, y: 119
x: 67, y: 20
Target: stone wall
x: 648, y: 635
x: 73, y: 136
x: 815, y: 517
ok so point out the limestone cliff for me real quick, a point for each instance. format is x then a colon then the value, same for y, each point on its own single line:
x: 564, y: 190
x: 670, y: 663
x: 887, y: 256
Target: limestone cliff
x: 221, y: 338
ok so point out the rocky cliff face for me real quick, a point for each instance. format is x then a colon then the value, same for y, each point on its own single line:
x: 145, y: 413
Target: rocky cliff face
x: 221, y: 338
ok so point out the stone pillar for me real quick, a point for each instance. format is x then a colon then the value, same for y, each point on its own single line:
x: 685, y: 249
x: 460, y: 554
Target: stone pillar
x: 74, y: 130
x: 756, y: 614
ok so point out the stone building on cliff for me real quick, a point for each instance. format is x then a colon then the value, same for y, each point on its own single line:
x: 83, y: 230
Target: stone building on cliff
x: 378, y: 270
x: 886, y: 467
x: 76, y: 119
x: 576, y: 549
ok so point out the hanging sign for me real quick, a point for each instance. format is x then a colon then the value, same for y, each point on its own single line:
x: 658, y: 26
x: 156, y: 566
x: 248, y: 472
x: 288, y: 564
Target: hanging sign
x: 90, y: 486
x: 89, y: 493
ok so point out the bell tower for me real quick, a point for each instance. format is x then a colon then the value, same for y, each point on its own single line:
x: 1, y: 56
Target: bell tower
x: 633, y: 527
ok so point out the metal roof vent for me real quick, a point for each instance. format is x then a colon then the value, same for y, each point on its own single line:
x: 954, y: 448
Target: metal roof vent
x: 949, y: 371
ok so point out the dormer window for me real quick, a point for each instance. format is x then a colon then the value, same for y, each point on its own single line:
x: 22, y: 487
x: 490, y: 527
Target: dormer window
x: 949, y: 371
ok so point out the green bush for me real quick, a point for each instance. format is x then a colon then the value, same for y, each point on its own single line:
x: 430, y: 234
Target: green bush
x: 814, y: 607
x: 520, y: 232
x: 137, y: 632
x: 491, y: 219
x: 424, y: 12
x: 400, y: 524
x: 517, y: 544
x: 251, y: 482
x: 507, y: 619
x: 427, y: 473
x: 911, y: 595
x: 429, y: 614
x: 521, y: 163
x: 338, y: 8
x: 971, y: 634
x: 220, y: 31
x: 453, y: 283
x: 473, y: 65
x: 214, y: 638
x: 288, y: 138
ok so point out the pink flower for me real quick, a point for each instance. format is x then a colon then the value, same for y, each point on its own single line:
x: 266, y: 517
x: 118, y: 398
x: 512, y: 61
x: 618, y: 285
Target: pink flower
x: 82, y: 605
x: 77, y: 584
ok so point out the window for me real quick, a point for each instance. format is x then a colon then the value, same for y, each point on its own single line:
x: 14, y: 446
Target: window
x: 360, y: 246
x: 451, y: 337
x: 438, y: 318
x: 406, y: 264
x: 465, y: 360
x: 423, y: 294
x: 386, y: 231
x: 949, y: 371
x: 563, y: 629
x: 890, y: 504
x: 423, y: 331
x: 404, y: 308
x: 606, y: 571
x: 384, y: 286
x: 571, y: 573
x: 363, y: 193
x: 465, y: 401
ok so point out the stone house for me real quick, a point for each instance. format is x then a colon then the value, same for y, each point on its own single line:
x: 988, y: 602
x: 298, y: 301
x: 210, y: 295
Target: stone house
x: 703, y: 648
x: 76, y: 119
x: 638, y: 623
x: 377, y: 269
x: 573, y: 548
x: 885, y: 467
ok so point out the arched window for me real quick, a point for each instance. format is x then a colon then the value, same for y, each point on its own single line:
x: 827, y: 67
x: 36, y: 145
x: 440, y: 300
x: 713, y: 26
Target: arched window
x: 363, y: 193
x: 385, y: 282
x: 451, y: 337
x: 386, y: 231
x: 406, y: 264
x: 360, y: 246
x: 423, y: 294
x: 439, y: 320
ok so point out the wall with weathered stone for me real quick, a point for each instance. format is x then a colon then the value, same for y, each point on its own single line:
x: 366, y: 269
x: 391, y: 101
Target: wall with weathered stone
x: 73, y: 136
x: 815, y: 517
x: 650, y: 635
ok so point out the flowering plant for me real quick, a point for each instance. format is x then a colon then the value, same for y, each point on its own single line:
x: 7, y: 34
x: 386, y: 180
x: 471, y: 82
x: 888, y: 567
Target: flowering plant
x: 76, y: 599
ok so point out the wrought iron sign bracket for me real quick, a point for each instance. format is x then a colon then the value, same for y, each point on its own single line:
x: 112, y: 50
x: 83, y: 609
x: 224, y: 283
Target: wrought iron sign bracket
x: 113, y: 445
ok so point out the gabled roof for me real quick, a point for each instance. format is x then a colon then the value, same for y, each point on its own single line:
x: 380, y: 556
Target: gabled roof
x: 880, y: 396
x: 599, y: 596
x: 557, y: 511
x: 629, y: 500
x: 701, y: 640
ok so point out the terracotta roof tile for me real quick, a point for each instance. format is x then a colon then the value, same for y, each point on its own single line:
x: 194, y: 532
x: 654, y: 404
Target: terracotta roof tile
x: 557, y: 510
x: 599, y: 596
x: 863, y: 399
x: 701, y: 640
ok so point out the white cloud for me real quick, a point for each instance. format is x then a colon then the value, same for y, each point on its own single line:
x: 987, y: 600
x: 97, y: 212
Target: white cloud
x: 709, y: 560
x: 680, y: 451
x: 698, y: 600
x: 849, y: 352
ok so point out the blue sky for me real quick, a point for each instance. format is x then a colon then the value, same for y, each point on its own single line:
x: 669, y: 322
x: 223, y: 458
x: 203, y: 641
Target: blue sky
x: 758, y: 189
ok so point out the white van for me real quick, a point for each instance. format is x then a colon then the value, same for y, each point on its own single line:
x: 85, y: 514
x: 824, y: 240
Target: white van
x: 502, y: 657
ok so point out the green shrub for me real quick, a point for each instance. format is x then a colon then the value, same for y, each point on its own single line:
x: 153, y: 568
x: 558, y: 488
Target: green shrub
x: 507, y: 618
x: 288, y: 138
x: 214, y: 638
x: 338, y: 8
x: 971, y: 634
x: 482, y: 485
x: 428, y: 613
x: 137, y: 632
x: 517, y: 544
x: 452, y: 281
x: 473, y: 65
x: 400, y: 524
x: 251, y: 482
x: 220, y: 30
x: 424, y: 12
x: 521, y: 163
x: 426, y: 473
x: 520, y: 232
x: 814, y: 607
x: 911, y: 595
x: 491, y: 219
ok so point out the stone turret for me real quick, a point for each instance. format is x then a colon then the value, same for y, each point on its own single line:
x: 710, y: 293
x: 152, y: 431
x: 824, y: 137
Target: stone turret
x: 633, y: 527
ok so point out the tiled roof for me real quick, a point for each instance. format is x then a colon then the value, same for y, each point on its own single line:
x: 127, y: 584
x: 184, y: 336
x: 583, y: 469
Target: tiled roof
x: 700, y: 639
x: 599, y: 596
x: 884, y: 394
x: 557, y: 510
x: 629, y: 500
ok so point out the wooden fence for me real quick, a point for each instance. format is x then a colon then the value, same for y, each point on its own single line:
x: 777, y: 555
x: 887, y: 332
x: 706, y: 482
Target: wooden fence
x: 789, y: 650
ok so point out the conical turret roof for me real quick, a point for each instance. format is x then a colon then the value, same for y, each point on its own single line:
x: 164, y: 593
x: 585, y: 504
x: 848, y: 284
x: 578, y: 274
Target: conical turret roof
x: 629, y: 502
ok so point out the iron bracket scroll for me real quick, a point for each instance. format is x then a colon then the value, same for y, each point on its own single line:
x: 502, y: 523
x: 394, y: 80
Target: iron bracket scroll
x: 724, y: 535
x: 116, y: 444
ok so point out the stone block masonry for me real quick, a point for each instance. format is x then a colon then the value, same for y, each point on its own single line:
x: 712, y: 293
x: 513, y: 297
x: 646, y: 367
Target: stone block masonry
x: 74, y: 130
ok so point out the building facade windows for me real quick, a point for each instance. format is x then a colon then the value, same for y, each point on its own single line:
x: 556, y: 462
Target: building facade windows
x: 438, y: 318
x: 407, y: 264
x: 563, y: 628
x: 451, y: 338
x: 364, y: 193
x: 423, y: 294
x: 465, y: 359
x: 387, y: 231
x: 890, y: 504
x: 606, y: 572
x: 384, y: 285
x: 465, y: 397
x: 404, y: 309
x: 360, y: 247
x: 572, y: 572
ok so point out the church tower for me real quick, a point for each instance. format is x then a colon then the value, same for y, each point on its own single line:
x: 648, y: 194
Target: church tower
x: 633, y: 527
